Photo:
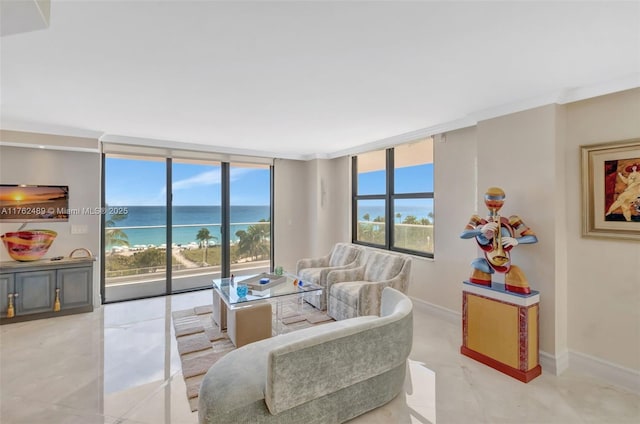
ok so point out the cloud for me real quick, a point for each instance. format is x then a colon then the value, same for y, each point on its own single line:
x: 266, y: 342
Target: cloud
x: 207, y: 178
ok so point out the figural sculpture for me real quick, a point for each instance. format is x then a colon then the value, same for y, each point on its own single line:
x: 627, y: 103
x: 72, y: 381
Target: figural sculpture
x: 496, y: 236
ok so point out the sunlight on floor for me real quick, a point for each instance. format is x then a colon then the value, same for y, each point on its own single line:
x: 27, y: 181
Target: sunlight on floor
x: 421, y: 393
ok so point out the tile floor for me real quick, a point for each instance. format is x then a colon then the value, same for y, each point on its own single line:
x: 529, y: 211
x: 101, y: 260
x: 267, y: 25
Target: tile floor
x: 119, y: 365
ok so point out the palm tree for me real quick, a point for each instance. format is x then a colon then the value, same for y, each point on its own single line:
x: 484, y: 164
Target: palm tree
x: 252, y: 241
x: 410, y: 219
x: 203, y: 238
x: 115, y: 237
x: 399, y: 216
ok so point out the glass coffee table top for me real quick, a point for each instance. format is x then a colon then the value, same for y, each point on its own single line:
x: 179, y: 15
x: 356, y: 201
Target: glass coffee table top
x: 290, y: 284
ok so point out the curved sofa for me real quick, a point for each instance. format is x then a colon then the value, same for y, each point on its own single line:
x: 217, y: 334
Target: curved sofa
x: 329, y: 373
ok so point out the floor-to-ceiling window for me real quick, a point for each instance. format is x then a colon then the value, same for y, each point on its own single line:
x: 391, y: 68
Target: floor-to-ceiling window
x: 174, y: 223
x: 250, y: 216
x: 196, y: 223
x: 135, y: 227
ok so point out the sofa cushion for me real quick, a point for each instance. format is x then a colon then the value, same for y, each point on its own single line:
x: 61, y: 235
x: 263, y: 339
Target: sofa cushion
x: 343, y: 254
x: 382, y: 266
x: 347, y: 292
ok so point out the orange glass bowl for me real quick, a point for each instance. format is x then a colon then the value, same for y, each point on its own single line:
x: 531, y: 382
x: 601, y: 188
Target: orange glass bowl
x: 29, y: 245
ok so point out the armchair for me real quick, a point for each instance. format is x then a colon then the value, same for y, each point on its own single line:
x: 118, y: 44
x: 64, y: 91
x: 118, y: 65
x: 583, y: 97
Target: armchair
x: 357, y: 291
x: 315, y: 270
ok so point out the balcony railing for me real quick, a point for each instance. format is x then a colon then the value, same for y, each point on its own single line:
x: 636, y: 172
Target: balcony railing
x: 137, y: 255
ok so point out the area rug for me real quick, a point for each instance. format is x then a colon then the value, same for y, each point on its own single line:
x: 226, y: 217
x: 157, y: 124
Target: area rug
x: 201, y: 343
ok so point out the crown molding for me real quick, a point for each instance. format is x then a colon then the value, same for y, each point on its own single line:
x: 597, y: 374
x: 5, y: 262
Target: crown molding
x: 627, y: 82
x: 179, y: 145
x: 49, y: 147
x: 45, y: 128
x: 564, y: 96
x: 406, y: 137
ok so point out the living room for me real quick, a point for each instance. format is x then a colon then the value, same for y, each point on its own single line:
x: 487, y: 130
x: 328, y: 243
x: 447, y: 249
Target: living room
x: 589, y: 286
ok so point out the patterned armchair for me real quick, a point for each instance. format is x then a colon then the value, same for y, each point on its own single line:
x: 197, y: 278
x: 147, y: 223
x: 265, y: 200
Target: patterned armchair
x: 357, y: 291
x: 315, y: 270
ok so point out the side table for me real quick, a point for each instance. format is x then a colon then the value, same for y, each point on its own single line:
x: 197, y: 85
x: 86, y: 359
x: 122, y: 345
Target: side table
x: 500, y: 329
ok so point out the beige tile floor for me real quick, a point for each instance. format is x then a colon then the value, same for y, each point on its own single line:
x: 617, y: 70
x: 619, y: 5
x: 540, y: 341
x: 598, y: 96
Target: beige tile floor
x: 119, y: 365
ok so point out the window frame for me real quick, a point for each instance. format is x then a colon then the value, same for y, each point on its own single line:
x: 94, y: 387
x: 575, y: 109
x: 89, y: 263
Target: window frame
x: 141, y: 153
x: 389, y: 199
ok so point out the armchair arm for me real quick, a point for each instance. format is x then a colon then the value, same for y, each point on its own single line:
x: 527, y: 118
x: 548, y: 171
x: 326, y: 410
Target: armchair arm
x: 370, y: 293
x: 342, y: 275
x: 312, y: 263
x: 324, y: 273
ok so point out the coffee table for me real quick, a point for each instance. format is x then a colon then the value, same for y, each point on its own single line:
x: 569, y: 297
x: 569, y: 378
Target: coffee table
x: 249, y: 319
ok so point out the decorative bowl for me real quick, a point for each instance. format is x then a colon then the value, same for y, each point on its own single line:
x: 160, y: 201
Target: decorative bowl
x: 28, y: 245
x: 242, y: 290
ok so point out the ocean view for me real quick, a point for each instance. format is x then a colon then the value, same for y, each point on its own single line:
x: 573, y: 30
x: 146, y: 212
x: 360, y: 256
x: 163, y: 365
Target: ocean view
x: 188, y: 220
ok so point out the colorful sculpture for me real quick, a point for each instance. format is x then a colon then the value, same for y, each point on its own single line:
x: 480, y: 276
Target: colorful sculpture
x: 496, y: 236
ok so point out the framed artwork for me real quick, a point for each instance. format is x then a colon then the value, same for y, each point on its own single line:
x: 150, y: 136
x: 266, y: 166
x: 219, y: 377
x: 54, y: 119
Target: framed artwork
x: 611, y: 190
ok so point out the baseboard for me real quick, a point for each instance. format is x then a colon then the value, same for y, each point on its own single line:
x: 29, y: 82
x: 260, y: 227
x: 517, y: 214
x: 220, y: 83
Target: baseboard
x: 608, y: 372
x: 445, y: 314
x: 611, y: 373
x: 555, y: 365
x: 614, y: 374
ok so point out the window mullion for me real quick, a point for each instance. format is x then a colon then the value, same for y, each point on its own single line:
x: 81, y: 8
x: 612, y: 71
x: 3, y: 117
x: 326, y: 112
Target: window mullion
x: 389, y: 199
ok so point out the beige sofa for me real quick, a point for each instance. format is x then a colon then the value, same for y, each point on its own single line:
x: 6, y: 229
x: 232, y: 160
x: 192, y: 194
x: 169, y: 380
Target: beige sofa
x: 315, y: 270
x: 357, y: 291
x: 325, y: 374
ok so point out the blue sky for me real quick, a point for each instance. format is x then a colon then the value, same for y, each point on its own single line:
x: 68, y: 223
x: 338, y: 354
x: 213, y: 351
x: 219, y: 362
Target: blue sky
x: 411, y: 179
x: 142, y: 182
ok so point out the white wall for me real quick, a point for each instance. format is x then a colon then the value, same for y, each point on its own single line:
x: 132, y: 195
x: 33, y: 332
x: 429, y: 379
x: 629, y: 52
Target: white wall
x: 312, y: 201
x: 81, y: 172
x: 590, y: 289
x: 291, y: 214
x: 517, y: 153
x: 604, y: 274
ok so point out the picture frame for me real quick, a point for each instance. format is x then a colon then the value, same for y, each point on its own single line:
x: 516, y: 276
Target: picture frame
x: 611, y: 190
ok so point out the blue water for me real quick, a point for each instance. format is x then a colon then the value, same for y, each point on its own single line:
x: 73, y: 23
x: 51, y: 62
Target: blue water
x: 197, y: 217
x: 404, y: 211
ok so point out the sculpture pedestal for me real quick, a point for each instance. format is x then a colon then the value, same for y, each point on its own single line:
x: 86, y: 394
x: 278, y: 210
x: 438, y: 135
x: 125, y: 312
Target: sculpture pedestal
x: 500, y: 329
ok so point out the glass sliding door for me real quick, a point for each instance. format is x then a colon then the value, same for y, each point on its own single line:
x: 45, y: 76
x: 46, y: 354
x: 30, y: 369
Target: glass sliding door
x: 250, y: 218
x: 196, y: 220
x: 174, y: 224
x: 135, y: 230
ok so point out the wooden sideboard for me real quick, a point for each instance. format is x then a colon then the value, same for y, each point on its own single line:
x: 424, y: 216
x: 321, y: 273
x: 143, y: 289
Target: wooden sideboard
x: 45, y: 288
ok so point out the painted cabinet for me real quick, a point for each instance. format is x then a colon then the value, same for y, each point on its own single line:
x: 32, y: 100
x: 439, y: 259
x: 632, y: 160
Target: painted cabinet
x: 43, y: 289
x: 74, y: 290
x: 6, y: 288
x: 34, y: 291
x: 500, y: 329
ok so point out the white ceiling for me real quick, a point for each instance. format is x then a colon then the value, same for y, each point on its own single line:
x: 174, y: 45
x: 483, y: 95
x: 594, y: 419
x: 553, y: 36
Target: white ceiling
x: 307, y: 79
